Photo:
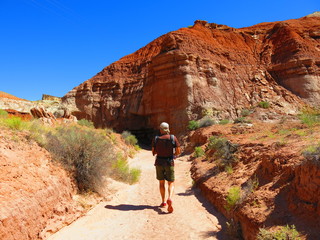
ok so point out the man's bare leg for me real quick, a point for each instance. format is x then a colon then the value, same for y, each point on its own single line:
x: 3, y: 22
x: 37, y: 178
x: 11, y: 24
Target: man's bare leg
x: 162, y: 189
x: 169, y: 201
x: 170, y: 189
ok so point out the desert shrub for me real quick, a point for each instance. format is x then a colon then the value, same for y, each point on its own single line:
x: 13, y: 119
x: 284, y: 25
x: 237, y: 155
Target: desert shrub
x: 122, y: 171
x: 128, y: 138
x: 250, y: 186
x: 241, y: 120
x: 310, y: 116
x: 198, y: 152
x: 84, y: 152
x: 3, y: 114
x: 233, y: 230
x: 284, y: 233
x: 193, y: 125
x: 14, y: 123
x: 264, y: 104
x: 224, y: 150
x: 206, y: 122
x: 233, y: 197
x: 224, y: 121
x: 37, y: 132
x: 245, y: 112
x: 312, y: 154
x: 113, y: 138
x: 86, y: 123
x: 228, y: 169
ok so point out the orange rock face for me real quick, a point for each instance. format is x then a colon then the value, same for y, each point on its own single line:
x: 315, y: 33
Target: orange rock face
x: 206, y: 67
x: 33, y: 190
x: 287, y: 185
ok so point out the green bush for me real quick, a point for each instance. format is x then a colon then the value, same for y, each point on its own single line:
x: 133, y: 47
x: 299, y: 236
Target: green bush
x: 224, y: 121
x: 3, y: 114
x: 198, y: 152
x: 37, y: 132
x: 122, y: 171
x: 228, y: 169
x: 233, y: 230
x: 128, y: 138
x: 264, y: 104
x: 309, y: 119
x: 14, y: 123
x: 84, y: 152
x: 206, y: 122
x: 86, y: 123
x: 224, y: 150
x: 193, y: 125
x: 233, y: 197
x: 245, y: 112
x: 241, y: 120
x: 284, y: 233
x: 310, y: 116
x: 312, y: 154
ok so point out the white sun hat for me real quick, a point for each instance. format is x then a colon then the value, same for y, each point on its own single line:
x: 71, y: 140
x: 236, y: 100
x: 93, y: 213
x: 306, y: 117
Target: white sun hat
x: 165, y: 127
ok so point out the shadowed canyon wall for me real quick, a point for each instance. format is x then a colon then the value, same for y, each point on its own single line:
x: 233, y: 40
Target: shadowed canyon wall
x: 207, y: 67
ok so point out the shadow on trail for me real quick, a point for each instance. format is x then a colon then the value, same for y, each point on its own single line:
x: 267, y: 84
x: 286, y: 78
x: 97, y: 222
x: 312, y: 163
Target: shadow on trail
x: 219, y: 234
x: 128, y: 207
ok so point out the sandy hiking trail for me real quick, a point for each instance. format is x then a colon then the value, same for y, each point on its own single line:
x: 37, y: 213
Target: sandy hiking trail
x: 133, y: 212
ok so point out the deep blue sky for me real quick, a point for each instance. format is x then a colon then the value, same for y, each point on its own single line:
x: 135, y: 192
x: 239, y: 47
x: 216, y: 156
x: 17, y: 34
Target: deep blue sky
x: 51, y: 46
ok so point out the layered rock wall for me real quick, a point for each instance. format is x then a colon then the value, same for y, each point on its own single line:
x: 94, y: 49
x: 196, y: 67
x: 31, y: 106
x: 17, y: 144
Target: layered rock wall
x: 210, y: 67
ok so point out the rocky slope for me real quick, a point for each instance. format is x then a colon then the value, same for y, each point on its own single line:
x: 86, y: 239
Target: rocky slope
x: 207, y: 67
x: 34, y: 192
x: 278, y: 186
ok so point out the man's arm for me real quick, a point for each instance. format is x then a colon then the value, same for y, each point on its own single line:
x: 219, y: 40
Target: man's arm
x: 153, y: 151
x: 177, y: 151
x: 177, y: 148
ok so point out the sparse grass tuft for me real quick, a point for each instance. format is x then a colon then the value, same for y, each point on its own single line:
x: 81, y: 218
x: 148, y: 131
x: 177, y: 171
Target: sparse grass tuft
x: 206, y: 122
x: 310, y: 116
x: 312, y: 154
x: 233, y: 197
x: 234, y: 230
x: 264, y: 104
x: 86, y: 123
x: 284, y: 233
x: 245, y: 112
x: 128, y: 138
x: 193, y: 125
x: 224, y: 121
x: 224, y: 150
x: 242, y: 120
x: 14, y: 123
x: 198, y: 152
x: 228, y: 169
x: 122, y: 171
x: 3, y: 114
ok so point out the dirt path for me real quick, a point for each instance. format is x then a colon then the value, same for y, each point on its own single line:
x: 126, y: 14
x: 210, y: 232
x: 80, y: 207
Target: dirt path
x: 133, y: 211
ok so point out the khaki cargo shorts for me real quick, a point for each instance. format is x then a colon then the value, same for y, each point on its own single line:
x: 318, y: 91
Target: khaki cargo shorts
x: 165, y: 173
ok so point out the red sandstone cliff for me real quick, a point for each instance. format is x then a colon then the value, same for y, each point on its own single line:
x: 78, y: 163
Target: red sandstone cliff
x: 205, y: 67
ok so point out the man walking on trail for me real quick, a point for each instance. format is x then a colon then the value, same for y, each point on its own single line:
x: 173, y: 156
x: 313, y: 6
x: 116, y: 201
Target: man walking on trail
x: 166, y: 147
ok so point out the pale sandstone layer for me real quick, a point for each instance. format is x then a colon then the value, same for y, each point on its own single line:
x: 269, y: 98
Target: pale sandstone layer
x: 207, y: 67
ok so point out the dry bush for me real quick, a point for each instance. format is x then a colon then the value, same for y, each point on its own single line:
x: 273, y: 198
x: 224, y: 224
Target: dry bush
x: 86, y: 153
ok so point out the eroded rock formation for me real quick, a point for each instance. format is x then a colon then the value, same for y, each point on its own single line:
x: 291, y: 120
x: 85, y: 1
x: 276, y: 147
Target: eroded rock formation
x: 205, y: 67
x: 33, y: 190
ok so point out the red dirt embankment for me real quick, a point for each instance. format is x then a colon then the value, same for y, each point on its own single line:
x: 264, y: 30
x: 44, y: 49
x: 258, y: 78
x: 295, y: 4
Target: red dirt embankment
x: 34, y: 193
x: 269, y: 155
